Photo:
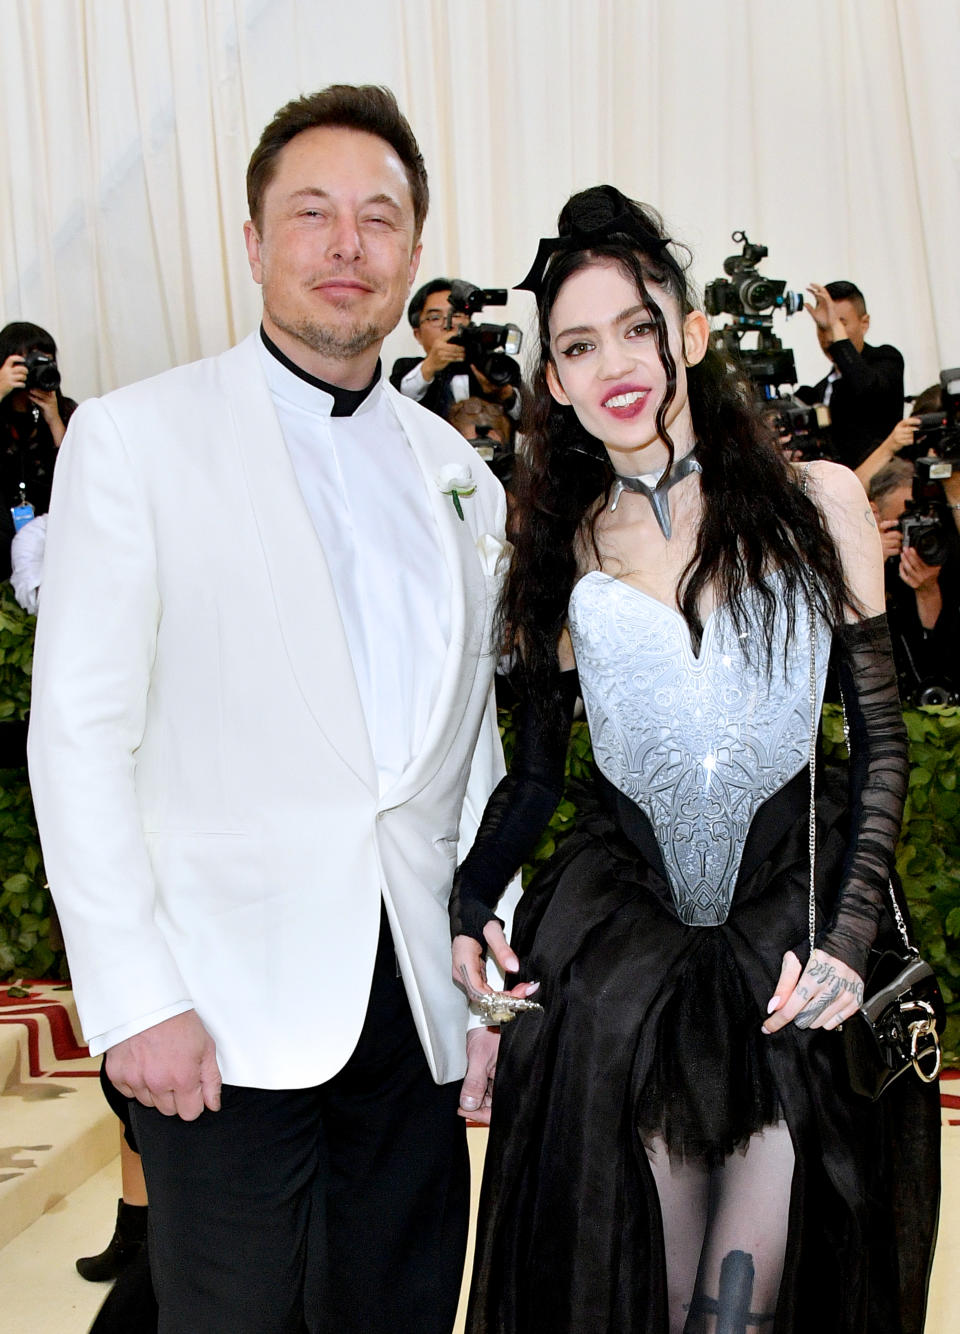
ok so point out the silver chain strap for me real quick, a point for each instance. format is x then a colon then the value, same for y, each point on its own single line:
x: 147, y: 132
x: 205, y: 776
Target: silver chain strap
x: 812, y: 765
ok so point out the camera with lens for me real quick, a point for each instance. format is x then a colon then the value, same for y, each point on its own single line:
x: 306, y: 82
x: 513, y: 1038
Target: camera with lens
x: 42, y: 372
x: 488, y: 348
x: 752, y: 300
x: 745, y: 292
x: 939, y: 432
x: 496, y: 454
x: 934, y: 693
x: 797, y: 426
x: 926, y: 525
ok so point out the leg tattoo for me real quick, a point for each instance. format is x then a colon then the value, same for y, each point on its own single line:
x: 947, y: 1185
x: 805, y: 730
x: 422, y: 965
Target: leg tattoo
x: 732, y: 1305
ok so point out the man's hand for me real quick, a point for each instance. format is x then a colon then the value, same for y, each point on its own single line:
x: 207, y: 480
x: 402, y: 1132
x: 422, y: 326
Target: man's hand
x: 915, y: 572
x: 476, y: 1092
x: 442, y: 354
x: 13, y: 375
x: 824, y: 312
x: 46, y: 401
x: 924, y: 579
x: 891, y: 539
x: 902, y: 434
x: 171, y: 1066
x: 825, y: 994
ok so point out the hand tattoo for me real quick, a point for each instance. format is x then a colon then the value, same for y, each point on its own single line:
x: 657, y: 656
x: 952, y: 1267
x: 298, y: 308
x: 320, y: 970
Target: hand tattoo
x: 834, y: 983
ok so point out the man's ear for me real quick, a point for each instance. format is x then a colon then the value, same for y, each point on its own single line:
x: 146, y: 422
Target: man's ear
x: 555, y: 387
x: 696, y: 337
x: 252, y: 238
x: 864, y: 322
x: 417, y: 336
x: 414, y: 265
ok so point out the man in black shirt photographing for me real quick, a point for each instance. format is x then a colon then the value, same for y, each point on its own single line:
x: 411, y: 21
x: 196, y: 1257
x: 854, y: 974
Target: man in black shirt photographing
x: 864, y: 389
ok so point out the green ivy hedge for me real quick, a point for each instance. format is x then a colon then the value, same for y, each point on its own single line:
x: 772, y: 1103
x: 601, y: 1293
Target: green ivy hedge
x: 928, y: 857
x: 25, y: 906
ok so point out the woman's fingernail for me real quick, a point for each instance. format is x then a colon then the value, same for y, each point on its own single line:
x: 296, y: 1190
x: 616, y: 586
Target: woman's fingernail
x: 773, y: 1004
x: 532, y: 987
x: 766, y: 1030
x: 469, y: 1103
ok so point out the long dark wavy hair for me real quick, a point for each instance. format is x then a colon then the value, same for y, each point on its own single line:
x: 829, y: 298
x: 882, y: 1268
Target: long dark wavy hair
x: 756, y: 518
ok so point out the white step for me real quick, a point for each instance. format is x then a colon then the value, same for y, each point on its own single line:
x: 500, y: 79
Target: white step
x: 42, y: 1291
x: 56, y: 1129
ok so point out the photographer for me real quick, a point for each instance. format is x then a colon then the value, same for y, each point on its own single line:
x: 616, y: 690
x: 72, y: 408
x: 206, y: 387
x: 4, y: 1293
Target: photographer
x: 441, y: 378
x: 486, y: 426
x: 33, y: 419
x: 902, y: 437
x: 864, y: 390
x: 923, y: 589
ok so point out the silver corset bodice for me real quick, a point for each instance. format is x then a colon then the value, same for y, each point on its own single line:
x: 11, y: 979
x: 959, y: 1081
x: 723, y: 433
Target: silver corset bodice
x: 699, y: 742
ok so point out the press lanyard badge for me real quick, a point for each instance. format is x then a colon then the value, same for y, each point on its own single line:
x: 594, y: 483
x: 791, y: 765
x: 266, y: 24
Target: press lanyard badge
x: 24, y: 512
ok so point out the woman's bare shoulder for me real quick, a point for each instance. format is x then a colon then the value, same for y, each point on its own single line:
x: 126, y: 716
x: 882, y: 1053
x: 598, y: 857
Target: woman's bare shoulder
x: 833, y: 482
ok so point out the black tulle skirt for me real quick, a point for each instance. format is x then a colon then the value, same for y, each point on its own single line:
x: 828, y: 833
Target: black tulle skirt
x: 709, y: 1086
x: 650, y: 1025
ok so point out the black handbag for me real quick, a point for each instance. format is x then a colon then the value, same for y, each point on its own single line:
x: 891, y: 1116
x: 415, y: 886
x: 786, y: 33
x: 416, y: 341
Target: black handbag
x: 898, y: 1026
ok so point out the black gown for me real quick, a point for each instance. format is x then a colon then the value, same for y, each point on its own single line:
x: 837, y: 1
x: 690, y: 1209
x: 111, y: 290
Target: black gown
x: 637, y: 1000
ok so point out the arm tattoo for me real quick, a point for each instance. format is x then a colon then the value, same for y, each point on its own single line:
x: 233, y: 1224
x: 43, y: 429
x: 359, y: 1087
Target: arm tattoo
x: 869, y: 517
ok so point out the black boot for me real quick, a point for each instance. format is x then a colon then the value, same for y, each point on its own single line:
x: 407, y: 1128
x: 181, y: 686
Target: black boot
x: 128, y: 1236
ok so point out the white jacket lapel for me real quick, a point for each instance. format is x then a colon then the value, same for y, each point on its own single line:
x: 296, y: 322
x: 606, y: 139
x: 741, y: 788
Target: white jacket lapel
x: 307, y: 607
x: 471, y: 594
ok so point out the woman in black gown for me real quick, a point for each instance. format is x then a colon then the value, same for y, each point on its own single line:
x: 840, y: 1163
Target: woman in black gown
x: 675, y: 1147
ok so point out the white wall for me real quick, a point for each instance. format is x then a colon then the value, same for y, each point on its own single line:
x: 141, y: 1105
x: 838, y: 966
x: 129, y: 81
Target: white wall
x: 829, y: 129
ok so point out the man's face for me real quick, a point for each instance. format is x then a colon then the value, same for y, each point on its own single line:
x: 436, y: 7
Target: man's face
x: 336, y: 251
x: 433, y: 320
x: 894, y: 503
x: 855, y: 324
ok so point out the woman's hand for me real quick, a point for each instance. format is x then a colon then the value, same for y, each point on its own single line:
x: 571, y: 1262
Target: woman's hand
x: 13, y: 374
x: 823, y: 995
x: 476, y: 1094
x: 468, y: 961
x: 46, y: 401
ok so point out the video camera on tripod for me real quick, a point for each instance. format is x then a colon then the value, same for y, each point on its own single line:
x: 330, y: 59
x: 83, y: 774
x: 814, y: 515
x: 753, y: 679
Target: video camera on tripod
x: 488, y: 348
x: 752, y: 300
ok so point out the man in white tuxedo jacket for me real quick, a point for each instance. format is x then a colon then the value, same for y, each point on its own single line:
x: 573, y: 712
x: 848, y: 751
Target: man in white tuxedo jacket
x: 262, y: 728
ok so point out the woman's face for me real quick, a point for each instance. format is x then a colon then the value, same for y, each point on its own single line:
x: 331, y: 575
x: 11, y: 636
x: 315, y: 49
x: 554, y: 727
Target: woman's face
x: 605, y: 365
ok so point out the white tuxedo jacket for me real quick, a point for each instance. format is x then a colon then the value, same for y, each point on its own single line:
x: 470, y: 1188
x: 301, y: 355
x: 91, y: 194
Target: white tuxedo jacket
x: 202, y: 774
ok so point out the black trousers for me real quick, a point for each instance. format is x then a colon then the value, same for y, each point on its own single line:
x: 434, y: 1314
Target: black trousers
x: 336, y: 1208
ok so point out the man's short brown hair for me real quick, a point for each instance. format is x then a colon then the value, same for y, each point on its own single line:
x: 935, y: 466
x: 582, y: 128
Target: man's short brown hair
x: 345, y: 106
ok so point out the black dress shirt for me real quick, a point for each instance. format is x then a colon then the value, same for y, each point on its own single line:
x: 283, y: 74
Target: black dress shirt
x: 866, y: 401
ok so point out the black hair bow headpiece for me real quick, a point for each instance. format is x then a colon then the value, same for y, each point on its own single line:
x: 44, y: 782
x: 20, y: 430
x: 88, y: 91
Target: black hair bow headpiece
x: 625, y: 224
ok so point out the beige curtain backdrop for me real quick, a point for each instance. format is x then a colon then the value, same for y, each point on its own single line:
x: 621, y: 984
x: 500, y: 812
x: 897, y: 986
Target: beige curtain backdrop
x: 829, y: 129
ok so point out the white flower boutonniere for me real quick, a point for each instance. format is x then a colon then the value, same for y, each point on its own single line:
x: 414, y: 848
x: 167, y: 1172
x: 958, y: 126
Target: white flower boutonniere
x: 456, y: 481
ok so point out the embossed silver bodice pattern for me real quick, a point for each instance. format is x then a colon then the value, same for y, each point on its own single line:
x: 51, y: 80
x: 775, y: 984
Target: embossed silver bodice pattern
x: 699, y: 742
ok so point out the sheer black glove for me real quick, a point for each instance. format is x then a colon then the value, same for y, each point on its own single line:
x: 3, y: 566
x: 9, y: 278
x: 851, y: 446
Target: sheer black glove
x: 516, y: 814
x: 879, y: 773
